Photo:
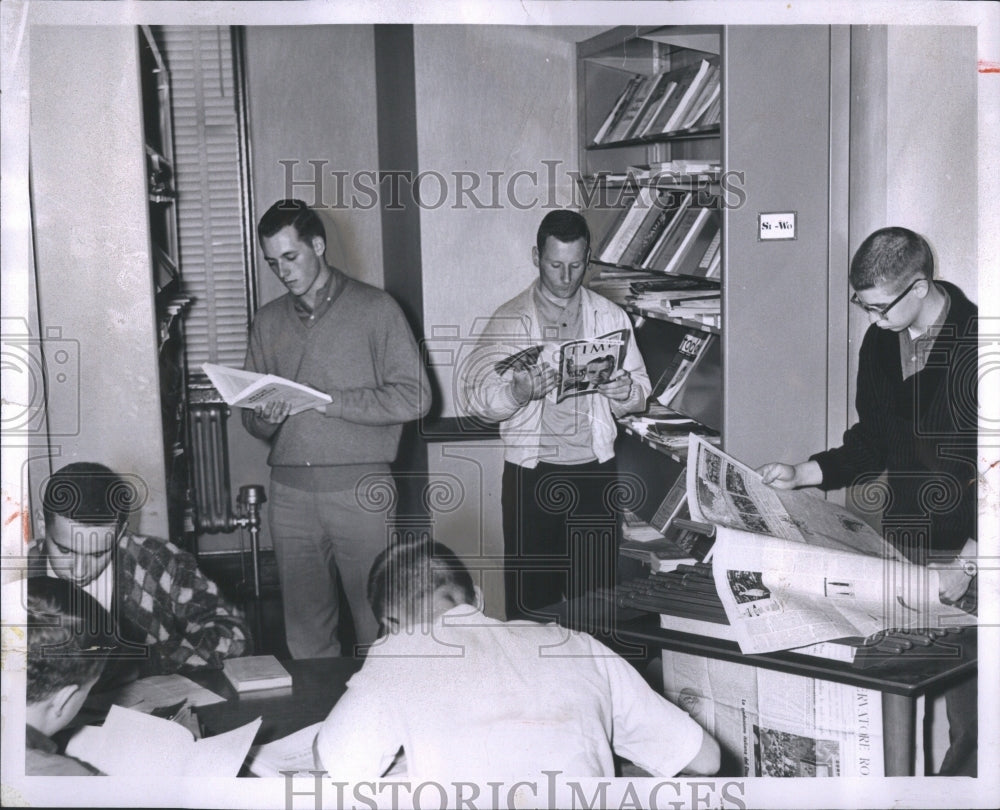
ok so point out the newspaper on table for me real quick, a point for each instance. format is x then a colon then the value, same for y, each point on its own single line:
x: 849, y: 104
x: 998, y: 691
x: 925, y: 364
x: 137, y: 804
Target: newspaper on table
x: 776, y: 724
x: 793, y: 569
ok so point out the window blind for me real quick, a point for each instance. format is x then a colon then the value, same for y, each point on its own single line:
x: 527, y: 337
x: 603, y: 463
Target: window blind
x: 211, y: 208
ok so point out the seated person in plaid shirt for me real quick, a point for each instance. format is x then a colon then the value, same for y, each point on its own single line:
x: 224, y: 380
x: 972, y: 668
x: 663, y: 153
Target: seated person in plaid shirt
x: 165, y: 610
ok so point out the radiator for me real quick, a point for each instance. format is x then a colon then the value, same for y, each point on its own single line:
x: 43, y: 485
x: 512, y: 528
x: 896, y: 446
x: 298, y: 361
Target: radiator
x: 210, y: 467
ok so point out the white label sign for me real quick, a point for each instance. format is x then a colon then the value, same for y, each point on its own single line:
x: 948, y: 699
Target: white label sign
x: 774, y: 226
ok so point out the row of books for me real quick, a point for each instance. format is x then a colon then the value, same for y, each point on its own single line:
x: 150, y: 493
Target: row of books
x: 661, y: 103
x: 665, y: 232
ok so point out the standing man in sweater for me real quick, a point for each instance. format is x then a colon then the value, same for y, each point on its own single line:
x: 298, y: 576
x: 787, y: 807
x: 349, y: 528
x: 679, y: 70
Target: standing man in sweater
x: 351, y: 341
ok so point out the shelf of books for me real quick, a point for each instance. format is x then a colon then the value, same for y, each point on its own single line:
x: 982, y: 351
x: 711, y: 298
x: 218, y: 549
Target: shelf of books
x: 650, y: 155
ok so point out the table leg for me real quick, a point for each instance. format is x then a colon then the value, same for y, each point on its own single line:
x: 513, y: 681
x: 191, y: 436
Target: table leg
x: 898, y: 734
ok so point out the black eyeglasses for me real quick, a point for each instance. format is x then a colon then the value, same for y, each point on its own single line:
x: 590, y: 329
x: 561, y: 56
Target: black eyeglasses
x: 883, y: 309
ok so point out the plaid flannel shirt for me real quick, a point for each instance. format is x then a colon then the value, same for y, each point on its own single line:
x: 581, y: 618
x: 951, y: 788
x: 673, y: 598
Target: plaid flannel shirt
x: 177, y: 610
x: 184, y: 618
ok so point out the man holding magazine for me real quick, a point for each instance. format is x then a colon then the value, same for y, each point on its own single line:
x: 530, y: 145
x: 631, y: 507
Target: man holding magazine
x: 559, y: 520
x: 329, y: 463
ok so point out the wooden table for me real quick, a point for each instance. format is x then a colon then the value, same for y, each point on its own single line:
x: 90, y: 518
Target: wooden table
x: 900, y: 678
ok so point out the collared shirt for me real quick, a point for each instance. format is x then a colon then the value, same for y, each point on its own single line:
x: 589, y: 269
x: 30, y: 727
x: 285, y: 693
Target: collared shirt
x: 324, y: 299
x: 915, y: 348
x: 471, y: 697
x: 565, y: 425
x: 100, y: 587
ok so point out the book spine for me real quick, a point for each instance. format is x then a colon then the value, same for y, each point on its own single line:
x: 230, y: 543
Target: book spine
x: 689, y: 254
x: 690, y: 93
x: 617, y: 110
x: 630, y: 116
x: 643, y: 201
x: 669, y: 246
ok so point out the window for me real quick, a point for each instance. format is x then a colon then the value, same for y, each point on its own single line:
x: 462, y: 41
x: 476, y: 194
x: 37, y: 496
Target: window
x: 214, y: 207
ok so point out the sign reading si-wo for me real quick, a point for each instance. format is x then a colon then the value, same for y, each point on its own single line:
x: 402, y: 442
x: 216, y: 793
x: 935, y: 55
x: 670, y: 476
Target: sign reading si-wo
x: 775, y: 226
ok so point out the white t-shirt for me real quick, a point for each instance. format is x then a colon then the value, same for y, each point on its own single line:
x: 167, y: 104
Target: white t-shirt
x: 475, y: 698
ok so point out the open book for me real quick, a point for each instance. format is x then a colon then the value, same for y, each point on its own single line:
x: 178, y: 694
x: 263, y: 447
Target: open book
x: 582, y: 365
x: 793, y: 569
x: 132, y: 742
x: 248, y: 389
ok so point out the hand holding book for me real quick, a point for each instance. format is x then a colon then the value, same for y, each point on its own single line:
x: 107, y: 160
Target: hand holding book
x: 272, y: 398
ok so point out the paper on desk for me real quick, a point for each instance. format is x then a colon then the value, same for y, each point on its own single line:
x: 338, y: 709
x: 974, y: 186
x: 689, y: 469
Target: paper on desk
x: 157, y: 691
x: 291, y: 753
x: 132, y: 742
x: 792, y: 569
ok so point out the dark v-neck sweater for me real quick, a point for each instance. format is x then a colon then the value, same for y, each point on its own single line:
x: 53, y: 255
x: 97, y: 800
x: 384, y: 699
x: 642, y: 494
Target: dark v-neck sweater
x: 362, y: 353
x: 921, y: 430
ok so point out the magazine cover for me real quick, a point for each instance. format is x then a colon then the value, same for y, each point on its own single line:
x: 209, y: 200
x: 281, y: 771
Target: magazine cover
x: 585, y: 365
x: 582, y: 366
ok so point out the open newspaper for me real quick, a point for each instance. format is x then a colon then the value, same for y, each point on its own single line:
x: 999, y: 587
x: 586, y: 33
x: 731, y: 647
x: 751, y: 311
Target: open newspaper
x: 581, y: 365
x: 776, y: 724
x: 132, y: 742
x: 793, y: 569
x: 248, y: 389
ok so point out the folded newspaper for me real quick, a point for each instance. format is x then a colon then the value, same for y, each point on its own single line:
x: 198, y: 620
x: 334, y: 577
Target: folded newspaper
x: 248, y: 389
x: 582, y: 365
x: 794, y: 569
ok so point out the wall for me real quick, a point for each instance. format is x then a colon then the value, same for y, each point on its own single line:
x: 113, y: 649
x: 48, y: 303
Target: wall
x: 914, y: 146
x: 489, y: 99
x: 92, y: 251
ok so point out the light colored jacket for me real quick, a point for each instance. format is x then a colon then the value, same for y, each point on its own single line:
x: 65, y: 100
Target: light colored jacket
x: 515, y: 326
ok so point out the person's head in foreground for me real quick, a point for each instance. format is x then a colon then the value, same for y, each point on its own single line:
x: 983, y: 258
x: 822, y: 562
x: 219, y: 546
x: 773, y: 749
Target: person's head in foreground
x: 466, y: 696
x: 892, y: 275
x: 411, y: 584
x: 68, y: 643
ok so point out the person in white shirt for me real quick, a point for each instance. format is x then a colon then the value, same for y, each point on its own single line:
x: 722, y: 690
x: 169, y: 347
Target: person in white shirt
x: 560, y: 472
x: 470, y: 697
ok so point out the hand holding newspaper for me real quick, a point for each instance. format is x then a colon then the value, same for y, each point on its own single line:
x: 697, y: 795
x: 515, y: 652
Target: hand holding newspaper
x: 793, y: 569
x: 247, y: 389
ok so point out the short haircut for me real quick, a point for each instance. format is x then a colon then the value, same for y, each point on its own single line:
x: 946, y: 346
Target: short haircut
x: 89, y: 493
x: 565, y: 225
x: 608, y: 358
x: 405, y: 575
x: 69, y: 637
x: 891, y: 256
x: 296, y: 213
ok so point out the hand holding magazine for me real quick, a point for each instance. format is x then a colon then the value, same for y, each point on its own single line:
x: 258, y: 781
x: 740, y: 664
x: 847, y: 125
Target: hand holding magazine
x: 248, y: 389
x: 582, y: 365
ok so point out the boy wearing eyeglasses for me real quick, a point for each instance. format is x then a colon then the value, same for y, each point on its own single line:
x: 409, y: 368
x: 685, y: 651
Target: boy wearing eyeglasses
x: 166, y: 611
x: 917, y: 424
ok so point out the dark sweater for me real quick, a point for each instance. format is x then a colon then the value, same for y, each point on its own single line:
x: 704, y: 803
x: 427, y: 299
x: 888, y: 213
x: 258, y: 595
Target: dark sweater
x: 362, y: 353
x: 922, y: 432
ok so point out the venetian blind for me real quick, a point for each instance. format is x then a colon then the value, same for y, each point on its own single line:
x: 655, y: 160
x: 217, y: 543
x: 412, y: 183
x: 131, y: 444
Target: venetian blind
x: 210, y: 200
